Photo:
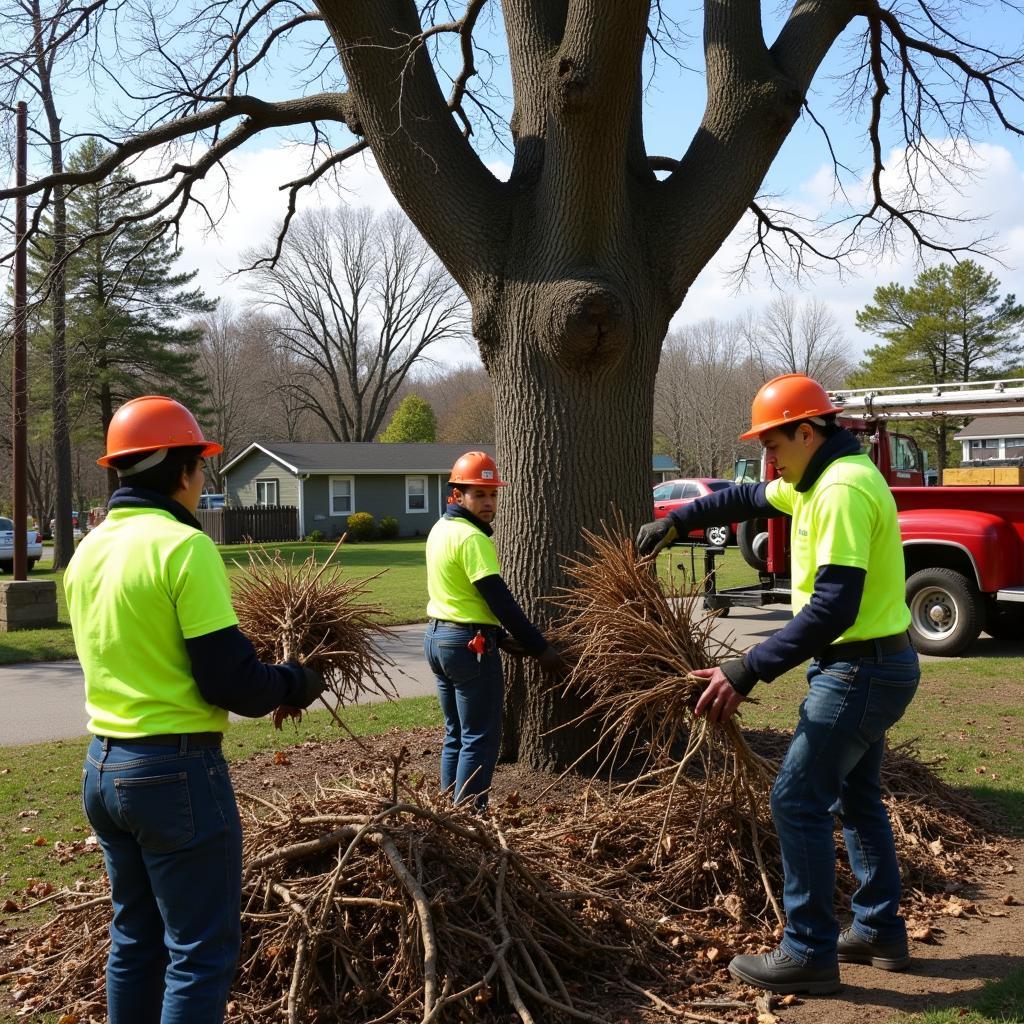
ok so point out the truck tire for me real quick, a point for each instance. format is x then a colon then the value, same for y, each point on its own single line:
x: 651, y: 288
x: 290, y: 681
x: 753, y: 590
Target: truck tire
x: 30, y: 564
x: 946, y: 611
x: 718, y: 536
x: 752, y: 540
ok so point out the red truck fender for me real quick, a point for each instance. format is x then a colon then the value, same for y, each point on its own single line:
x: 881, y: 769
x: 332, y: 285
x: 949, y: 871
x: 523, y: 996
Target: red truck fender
x: 979, y: 544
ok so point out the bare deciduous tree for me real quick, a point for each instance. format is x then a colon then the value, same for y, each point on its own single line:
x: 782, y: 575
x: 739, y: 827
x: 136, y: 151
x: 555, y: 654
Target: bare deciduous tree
x: 794, y: 337
x: 576, y: 264
x: 703, y: 390
x: 358, y: 299
x: 463, y: 400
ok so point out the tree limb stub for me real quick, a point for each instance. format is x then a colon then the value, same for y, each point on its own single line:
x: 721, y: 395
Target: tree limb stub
x: 426, y: 160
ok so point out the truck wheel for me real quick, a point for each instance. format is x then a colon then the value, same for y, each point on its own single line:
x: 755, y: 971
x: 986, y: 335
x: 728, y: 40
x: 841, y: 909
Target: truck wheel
x: 30, y: 564
x: 6, y: 566
x: 946, y: 611
x: 717, y: 536
x: 752, y: 540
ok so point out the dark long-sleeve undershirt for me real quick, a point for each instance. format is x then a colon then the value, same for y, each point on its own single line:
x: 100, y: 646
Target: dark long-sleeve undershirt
x: 730, y: 505
x: 832, y: 610
x: 507, y: 611
x: 231, y: 676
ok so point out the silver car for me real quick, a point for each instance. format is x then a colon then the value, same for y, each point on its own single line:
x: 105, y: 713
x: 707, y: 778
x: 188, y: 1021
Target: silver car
x: 35, y: 546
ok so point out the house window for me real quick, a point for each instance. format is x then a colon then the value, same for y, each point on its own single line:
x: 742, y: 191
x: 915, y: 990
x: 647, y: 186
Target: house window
x: 266, y: 493
x: 1015, y: 442
x: 985, y: 442
x: 415, y: 494
x: 342, y: 496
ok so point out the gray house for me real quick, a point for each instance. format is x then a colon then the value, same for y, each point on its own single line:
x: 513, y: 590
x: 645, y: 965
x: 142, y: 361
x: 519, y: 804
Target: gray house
x: 328, y: 482
x: 992, y: 437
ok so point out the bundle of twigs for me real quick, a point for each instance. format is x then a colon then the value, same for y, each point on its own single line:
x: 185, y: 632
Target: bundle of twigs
x: 371, y: 901
x: 312, y: 613
x: 633, y: 643
x: 698, y: 792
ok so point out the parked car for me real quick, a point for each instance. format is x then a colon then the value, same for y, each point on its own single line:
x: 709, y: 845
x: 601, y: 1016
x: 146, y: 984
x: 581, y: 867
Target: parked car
x: 35, y: 546
x: 673, y: 494
x: 211, y: 501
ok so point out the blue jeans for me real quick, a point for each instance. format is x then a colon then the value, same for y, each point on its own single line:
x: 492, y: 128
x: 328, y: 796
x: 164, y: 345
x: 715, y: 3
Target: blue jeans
x: 471, y: 691
x: 832, y: 768
x: 168, y: 825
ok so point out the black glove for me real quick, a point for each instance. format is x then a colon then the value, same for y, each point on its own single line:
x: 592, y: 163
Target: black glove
x: 510, y: 645
x: 312, y: 685
x: 551, y: 660
x: 654, y: 536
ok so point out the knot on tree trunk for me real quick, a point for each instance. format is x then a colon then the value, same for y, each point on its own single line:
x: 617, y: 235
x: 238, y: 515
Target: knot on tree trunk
x: 570, y: 82
x: 583, y: 323
x: 778, y: 100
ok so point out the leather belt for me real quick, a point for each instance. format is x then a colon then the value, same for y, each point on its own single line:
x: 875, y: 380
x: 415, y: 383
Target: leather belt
x: 193, y: 740
x: 484, y: 627
x: 894, y: 644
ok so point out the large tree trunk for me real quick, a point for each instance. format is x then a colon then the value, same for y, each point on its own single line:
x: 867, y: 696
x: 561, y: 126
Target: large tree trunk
x: 573, y: 365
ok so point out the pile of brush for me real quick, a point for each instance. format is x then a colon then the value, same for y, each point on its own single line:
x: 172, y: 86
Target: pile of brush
x: 372, y: 901
x: 314, y: 614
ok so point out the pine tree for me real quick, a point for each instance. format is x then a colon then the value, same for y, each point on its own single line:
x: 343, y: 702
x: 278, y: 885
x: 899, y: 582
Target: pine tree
x: 126, y: 302
x: 413, y: 421
x: 950, y: 325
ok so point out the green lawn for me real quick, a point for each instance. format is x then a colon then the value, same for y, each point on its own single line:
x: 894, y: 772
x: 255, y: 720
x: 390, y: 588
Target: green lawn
x: 402, y: 589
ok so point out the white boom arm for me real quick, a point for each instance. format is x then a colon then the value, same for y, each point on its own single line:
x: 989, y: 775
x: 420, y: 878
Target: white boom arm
x: 978, y: 398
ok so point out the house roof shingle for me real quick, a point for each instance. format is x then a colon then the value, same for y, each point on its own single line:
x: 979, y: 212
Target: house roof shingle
x: 361, y: 456
x: 373, y: 456
x: 993, y: 426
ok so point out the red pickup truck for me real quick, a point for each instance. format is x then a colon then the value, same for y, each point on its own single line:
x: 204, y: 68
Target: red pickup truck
x: 963, y: 546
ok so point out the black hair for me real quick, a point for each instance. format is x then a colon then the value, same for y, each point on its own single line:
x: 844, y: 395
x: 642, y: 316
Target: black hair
x: 165, y: 476
x: 825, y: 429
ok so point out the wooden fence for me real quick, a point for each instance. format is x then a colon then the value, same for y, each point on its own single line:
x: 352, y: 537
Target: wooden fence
x: 256, y: 523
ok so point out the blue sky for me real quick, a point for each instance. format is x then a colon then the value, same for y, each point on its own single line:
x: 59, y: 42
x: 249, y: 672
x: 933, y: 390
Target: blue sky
x: 673, y: 105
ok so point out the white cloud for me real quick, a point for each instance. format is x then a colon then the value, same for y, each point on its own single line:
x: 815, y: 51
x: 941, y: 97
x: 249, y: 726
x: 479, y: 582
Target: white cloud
x: 993, y: 189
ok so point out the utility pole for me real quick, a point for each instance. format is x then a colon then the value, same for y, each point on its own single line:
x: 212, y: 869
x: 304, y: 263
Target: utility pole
x: 20, y: 382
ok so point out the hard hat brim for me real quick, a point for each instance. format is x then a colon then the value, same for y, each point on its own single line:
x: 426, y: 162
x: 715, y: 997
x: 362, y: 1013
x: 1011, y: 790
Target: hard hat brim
x: 210, y: 448
x: 759, y: 428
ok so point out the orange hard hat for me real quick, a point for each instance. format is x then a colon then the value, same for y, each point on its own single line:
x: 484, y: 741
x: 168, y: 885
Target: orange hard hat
x: 475, y: 469
x: 151, y: 423
x: 787, y: 399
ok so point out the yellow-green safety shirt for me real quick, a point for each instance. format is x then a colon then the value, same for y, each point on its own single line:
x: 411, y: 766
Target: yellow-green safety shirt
x: 138, y: 586
x: 459, y: 554
x: 848, y: 517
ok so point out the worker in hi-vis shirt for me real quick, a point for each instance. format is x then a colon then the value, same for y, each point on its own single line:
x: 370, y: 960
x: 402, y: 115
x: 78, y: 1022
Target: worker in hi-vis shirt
x: 850, y: 617
x: 164, y: 663
x: 472, y: 615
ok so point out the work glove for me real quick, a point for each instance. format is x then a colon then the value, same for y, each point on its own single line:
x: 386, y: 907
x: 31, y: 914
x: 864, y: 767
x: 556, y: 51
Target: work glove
x: 312, y: 685
x: 510, y: 645
x: 551, y: 661
x: 654, y: 536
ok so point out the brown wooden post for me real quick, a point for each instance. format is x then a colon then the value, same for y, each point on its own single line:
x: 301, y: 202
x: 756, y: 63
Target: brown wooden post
x: 20, y: 381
